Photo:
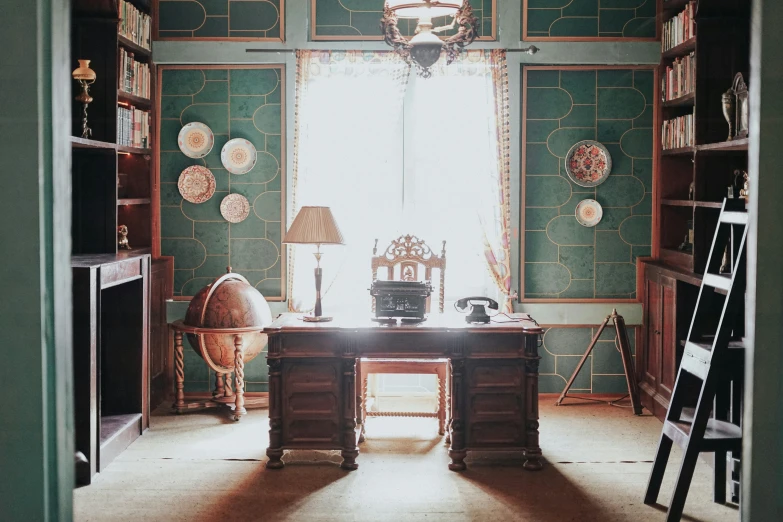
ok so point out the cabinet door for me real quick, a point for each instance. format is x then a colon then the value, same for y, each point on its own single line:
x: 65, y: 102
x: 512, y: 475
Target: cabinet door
x: 650, y: 363
x: 160, y: 344
x: 668, y: 329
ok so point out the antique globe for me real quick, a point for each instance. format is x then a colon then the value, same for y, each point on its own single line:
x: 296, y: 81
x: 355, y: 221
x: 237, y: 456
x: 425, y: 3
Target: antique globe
x: 228, y: 302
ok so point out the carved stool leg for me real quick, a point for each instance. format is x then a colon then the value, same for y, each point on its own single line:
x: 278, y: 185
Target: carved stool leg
x: 179, y: 373
x: 448, y: 403
x: 441, y: 403
x: 239, y: 377
x: 363, y: 406
x: 360, y: 398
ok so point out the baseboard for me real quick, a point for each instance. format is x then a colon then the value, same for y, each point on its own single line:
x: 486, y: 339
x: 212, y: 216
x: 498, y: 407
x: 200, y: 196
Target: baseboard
x: 208, y: 395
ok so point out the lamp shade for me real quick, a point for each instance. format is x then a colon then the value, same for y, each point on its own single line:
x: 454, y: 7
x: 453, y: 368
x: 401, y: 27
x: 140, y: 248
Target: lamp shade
x: 314, y: 226
x: 83, y: 72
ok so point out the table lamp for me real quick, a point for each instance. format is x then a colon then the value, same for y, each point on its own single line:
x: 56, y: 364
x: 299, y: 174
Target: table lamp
x: 86, y: 77
x: 315, y: 226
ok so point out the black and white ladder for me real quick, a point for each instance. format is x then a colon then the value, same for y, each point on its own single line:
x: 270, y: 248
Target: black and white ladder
x: 712, y: 360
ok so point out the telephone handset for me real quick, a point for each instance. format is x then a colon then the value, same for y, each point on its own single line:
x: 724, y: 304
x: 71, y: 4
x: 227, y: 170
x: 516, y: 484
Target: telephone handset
x: 478, y: 313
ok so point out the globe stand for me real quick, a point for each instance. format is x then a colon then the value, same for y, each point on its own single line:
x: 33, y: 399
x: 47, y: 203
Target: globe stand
x: 223, y: 396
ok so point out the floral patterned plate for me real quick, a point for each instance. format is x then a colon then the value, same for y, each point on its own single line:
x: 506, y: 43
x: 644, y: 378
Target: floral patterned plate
x: 238, y: 156
x: 589, y: 212
x: 195, y: 140
x: 196, y: 184
x: 588, y: 163
x: 235, y: 208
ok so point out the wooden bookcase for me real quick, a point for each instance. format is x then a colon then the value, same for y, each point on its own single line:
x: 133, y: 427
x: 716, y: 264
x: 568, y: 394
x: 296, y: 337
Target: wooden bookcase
x: 120, y: 334
x: 691, y: 183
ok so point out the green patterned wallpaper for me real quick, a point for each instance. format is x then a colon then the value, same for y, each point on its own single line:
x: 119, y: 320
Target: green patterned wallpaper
x: 360, y: 20
x: 199, y: 378
x: 603, y: 371
x: 240, y: 102
x: 590, y: 19
x: 218, y: 19
x: 615, y: 107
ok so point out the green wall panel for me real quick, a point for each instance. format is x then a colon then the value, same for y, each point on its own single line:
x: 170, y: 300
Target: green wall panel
x: 562, y: 258
x: 199, y: 378
x: 234, y: 103
x: 219, y: 19
x: 360, y: 20
x: 590, y: 19
x: 603, y: 371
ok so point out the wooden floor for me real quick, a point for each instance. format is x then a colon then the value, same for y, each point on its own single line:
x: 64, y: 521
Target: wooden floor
x: 204, y: 467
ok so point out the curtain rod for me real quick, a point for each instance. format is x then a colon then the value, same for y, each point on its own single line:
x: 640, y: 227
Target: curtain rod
x: 528, y: 50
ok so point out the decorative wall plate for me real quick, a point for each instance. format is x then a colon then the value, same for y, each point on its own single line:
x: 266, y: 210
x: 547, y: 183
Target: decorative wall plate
x: 195, y: 140
x: 196, y: 184
x: 588, y: 163
x: 589, y: 212
x: 238, y: 156
x: 235, y: 208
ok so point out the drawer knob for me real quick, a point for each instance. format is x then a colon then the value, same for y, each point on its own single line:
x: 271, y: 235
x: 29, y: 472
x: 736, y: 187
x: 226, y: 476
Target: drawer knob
x: 657, y: 332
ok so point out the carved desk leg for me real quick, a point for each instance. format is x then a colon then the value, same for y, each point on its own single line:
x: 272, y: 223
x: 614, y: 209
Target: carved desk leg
x: 239, y: 377
x: 275, y: 449
x: 350, y: 450
x: 532, y: 449
x: 457, y: 451
x: 179, y: 373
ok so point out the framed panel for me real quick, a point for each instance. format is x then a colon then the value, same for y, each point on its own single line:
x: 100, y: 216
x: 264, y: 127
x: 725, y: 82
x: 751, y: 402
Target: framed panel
x: 590, y: 20
x: 560, y: 260
x: 215, y: 20
x: 359, y: 20
x: 234, y: 101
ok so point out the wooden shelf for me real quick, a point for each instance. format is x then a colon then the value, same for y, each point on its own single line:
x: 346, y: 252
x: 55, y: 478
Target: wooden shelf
x: 682, y: 151
x: 677, y: 202
x: 680, y: 50
x: 134, y: 251
x: 740, y: 145
x: 674, y: 5
x: 136, y: 101
x: 133, y: 47
x: 686, y: 100
x: 84, y: 143
x: 133, y: 201
x: 709, y: 204
x: 133, y: 150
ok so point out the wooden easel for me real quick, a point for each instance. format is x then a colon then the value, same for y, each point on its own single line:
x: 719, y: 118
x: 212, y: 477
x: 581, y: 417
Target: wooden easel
x: 625, y: 352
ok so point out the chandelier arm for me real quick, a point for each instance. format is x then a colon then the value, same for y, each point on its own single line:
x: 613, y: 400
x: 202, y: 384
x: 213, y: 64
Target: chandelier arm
x: 468, y: 26
x: 392, y: 35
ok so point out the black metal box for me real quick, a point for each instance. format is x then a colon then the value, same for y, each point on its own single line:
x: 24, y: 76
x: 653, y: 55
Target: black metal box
x: 404, y: 299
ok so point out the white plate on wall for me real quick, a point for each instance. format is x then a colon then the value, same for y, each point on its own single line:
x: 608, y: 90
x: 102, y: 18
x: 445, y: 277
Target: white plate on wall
x: 195, y: 140
x: 589, y: 212
x: 238, y: 156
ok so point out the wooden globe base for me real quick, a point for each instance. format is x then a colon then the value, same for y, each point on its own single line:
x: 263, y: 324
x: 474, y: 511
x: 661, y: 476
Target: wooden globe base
x: 224, y: 395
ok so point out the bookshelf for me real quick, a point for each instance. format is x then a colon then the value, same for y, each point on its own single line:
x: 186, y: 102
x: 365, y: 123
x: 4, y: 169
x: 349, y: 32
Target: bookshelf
x: 692, y: 178
x: 120, y: 332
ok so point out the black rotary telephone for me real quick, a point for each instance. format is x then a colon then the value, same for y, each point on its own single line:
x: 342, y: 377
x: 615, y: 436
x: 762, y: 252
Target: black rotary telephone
x: 478, y: 313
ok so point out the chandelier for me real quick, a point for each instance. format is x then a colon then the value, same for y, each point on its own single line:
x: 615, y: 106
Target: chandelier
x: 425, y: 47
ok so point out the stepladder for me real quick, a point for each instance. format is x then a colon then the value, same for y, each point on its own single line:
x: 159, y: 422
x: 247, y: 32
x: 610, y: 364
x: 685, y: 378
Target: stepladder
x: 701, y: 417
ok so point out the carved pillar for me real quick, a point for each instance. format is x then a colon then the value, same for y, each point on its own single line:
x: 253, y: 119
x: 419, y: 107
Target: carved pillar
x: 227, y: 388
x: 275, y: 449
x: 350, y: 450
x: 457, y: 450
x: 179, y: 373
x: 239, y: 376
x: 441, y: 402
x: 532, y: 449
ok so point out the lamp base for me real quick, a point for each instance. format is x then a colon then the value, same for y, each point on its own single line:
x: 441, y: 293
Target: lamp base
x: 316, y: 319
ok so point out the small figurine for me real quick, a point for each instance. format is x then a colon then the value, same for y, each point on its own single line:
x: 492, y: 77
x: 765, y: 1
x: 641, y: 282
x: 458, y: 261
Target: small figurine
x: 122, y: 238
x: 691, y: 190
x: 745, y: 192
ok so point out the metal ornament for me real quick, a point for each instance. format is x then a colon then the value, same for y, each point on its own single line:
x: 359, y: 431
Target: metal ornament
x: 425, y: 47
x: 740, y: 89
x: 728, y: 106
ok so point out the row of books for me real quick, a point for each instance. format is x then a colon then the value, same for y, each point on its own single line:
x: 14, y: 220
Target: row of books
x: 134, y: 77
x: 133, y: 127
x: 678, y: 132
x: 680, y: 28
x: 680, y: 78
x: 135, y: 25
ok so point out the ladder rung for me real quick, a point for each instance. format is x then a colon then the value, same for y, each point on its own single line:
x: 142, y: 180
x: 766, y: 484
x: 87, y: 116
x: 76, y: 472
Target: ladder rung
x: 695, y: 366
x: 717, y: 281
x: 719, y: 435
x: 735, y: 218
x: 701, y: 351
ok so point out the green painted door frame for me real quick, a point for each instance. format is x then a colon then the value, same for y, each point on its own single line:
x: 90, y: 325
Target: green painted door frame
x: 36, y: 426
x: 762, y: 458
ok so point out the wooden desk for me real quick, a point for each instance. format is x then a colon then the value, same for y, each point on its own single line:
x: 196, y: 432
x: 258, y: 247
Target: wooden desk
x: 312, y: 382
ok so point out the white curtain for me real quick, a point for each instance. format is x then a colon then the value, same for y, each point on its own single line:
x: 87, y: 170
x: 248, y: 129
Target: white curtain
x: 393, y: 154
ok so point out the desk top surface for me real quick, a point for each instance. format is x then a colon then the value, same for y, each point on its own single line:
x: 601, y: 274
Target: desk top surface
x: 513, y: 323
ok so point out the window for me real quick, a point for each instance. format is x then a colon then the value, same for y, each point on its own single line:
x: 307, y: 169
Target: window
x: 392, y: 154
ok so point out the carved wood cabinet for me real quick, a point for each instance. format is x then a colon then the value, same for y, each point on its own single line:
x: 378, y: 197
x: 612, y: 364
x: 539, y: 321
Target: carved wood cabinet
x: 161, y: 347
